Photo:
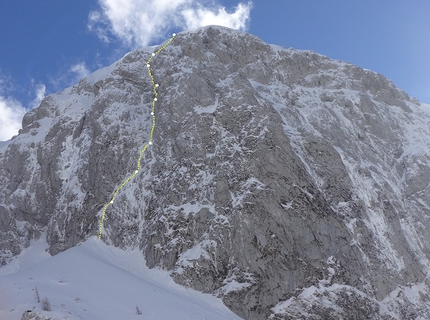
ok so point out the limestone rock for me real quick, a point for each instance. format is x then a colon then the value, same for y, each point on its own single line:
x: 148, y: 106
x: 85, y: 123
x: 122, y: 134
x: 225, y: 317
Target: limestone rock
x: 289, y: 184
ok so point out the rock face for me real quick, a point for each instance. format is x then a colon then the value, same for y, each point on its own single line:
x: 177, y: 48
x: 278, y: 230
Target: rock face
x: 291, y: 185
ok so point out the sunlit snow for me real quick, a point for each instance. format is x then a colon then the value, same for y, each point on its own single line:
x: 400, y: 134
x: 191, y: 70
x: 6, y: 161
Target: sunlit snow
x: 96, y: 281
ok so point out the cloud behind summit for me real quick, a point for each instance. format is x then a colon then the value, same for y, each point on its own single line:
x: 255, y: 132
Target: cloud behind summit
x: 138, y: 23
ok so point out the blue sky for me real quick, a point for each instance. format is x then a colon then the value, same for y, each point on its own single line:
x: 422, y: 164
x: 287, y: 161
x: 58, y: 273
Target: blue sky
x: 47, y: 45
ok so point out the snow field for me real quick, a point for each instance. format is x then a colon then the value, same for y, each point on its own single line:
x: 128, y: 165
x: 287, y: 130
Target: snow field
x: 96, y: 281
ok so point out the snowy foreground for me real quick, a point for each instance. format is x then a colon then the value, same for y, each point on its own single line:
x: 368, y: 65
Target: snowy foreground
x: 96, y: 281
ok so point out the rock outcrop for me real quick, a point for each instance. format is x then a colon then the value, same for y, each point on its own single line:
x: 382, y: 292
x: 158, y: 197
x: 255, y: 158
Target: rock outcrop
x: 291, y: 185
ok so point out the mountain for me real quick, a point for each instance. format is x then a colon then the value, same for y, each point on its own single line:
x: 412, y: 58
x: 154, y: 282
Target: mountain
x: 290, y: 185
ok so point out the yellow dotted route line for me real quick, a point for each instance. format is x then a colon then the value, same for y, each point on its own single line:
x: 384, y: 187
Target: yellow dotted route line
x: 155, y: 86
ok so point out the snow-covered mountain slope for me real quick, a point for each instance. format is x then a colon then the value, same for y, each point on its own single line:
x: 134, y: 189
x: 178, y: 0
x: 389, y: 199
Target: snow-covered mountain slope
x: 96, y: 281
x: 289, y: 184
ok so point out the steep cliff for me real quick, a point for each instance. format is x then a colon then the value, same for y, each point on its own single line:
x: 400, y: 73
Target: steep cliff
x: 292, y: 185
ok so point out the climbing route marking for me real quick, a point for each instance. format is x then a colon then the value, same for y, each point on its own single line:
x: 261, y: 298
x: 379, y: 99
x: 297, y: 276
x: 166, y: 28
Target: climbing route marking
x: 155, y: 86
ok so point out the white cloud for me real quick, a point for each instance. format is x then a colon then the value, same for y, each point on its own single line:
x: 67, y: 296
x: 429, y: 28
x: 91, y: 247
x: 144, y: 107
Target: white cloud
x: 203, y: 17
x: 70, y: 77
x: 40, y: 94
x: 138, y: 22
x: 11, y: 113
x: 95, y: 23
x: 80, y: 70
x: 7, y: 84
